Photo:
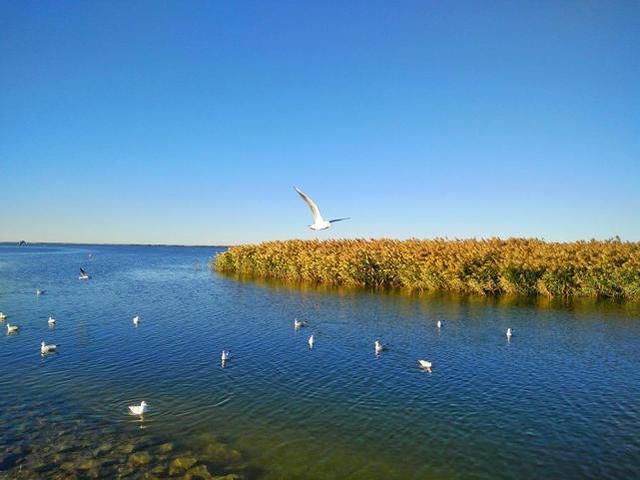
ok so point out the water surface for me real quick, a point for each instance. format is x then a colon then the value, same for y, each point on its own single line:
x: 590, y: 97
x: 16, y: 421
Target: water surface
x: 558, y: 401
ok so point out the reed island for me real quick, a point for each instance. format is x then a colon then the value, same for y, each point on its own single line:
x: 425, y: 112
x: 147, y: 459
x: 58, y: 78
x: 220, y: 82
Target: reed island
x: 599, y: 269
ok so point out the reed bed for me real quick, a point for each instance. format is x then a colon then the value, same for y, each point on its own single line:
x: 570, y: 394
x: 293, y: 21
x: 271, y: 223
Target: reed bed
x: 603, y: 269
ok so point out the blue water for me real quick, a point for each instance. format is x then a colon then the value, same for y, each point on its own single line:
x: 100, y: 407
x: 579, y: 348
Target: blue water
x: 560, y: 400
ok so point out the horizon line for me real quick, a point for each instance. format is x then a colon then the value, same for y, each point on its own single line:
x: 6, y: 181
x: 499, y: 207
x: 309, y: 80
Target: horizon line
x: 16, y: 243
x: 615, y: 238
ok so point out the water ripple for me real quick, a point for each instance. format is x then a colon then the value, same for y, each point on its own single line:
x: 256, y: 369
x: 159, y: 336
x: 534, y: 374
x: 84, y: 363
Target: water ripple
x: 559, y: 400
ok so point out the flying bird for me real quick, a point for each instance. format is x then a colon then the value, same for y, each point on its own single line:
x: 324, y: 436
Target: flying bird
x: 319, y: 223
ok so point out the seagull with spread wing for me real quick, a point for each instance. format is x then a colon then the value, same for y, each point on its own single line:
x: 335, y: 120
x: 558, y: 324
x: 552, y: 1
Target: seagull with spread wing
x: 319, y: 223
x: 83, y: 274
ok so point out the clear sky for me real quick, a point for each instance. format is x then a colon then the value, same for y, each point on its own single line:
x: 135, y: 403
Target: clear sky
x: 190, y: 121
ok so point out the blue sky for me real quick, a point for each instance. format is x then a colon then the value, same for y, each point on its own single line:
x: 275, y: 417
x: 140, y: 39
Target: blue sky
x: 190, y: 122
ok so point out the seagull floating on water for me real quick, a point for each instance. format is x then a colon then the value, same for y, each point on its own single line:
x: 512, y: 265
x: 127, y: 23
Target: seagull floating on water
x: 509, y: 333
x: 83, y: 275
x: 425, y: 364
x: 136, y: 320
x: 44, y: 348
x: 311, y: 341
x: 39, y: 291
x: 439, y: 324
x: 378, y: 346
x: 3, y: 316
x: 51, y: 321
x: 138, y: 409
x: 298, y: 324
x: 12, y: 328
x: 319, y: 223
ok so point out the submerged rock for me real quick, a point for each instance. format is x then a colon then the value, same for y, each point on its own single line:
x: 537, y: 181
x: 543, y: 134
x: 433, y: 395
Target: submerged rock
x: 139, y: 458
x: 159, y: 469
x: 87, y: 464
x: 181, y: 464
x: 103, y: 449
x: 68, y: 466
x: 43, y: 467
x: 126, y: 448
x: 124, y: 471
x: 199, y: 472
x: 90, y: 451
x: 166, y: 447
x: 64, y: 476
x: 222, y: 455
x: 92, y: 473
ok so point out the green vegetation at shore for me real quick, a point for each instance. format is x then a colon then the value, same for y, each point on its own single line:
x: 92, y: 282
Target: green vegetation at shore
x: 603, y: 269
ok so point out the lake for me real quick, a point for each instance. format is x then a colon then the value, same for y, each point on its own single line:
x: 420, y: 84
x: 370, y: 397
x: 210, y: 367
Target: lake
x: 560, y: 400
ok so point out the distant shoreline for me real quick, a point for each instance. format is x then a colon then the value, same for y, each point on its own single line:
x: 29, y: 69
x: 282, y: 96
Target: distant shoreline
x: 115, y: 244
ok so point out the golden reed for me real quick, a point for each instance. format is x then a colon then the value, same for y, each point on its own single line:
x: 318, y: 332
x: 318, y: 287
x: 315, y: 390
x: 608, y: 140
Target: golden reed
x: 604, y: 269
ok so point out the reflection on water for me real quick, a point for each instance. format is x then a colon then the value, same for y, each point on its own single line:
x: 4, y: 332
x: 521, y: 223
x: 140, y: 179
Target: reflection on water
x: 559, y: 400
x: 579, y: 304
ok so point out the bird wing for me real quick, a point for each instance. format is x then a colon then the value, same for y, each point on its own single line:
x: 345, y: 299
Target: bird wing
x: 339, y: 219
x: 82, y: 271
x: 315, y: 211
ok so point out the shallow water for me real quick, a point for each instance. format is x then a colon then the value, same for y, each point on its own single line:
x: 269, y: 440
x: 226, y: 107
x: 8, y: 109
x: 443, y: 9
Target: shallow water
x: 558, y: 401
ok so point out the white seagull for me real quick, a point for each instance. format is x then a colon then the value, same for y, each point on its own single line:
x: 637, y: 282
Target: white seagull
x: 225, y: 356
x: 39, y: 292
x: 378, y: 346
x: 51, y: 321
x: 298, y: 324
x: 136, y: 320
x: 311, y: 342
x: 138, y: 409
x: 12, y: 328
x: 3, y: 316
x: 44, y: 348
x: 509, y: 333
x: 439, y: 324
x: 425, y: 364
x: 319, y: 223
